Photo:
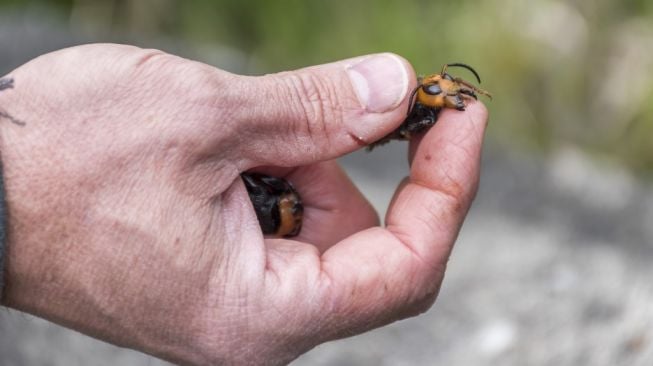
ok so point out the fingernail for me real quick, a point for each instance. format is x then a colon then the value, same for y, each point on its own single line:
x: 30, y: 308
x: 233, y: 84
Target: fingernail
x: 380, y: 82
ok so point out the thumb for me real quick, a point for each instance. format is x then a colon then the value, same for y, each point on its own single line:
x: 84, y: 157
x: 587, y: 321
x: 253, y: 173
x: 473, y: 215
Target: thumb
x: 322, y: 112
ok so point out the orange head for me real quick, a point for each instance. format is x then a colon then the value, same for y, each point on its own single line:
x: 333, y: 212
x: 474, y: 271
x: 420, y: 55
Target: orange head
x: 444, y: 91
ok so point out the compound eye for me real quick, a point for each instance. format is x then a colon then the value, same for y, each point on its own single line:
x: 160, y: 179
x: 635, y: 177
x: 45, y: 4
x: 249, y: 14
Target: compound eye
x: 433, y: 89
x: 447, y: 77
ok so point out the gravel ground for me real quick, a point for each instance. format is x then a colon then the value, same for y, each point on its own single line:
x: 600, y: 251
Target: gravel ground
x: 551, y: 267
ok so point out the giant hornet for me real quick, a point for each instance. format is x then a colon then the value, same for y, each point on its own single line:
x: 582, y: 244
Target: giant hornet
x: 277, y: 204
x: 431, y: 94
x: 278, y: 207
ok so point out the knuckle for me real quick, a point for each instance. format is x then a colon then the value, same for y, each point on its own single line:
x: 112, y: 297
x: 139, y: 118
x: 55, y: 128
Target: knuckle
x: 317, y: 107
x: 421, y: 305
x: 425, y: 289
x: 150, y: 57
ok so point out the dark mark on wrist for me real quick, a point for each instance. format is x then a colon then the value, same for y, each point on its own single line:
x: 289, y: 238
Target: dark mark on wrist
x: 8, y: 116
x: 8, y: 83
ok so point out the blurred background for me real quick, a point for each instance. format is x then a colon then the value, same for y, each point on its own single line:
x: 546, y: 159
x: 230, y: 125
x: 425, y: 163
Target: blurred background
x: 552, y: 266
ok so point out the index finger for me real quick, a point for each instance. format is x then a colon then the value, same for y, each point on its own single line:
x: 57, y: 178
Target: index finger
x: 382, y: 274
x: 428, y: 210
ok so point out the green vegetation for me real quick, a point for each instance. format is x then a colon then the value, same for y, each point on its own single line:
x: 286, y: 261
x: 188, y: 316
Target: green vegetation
x: 563, y: 73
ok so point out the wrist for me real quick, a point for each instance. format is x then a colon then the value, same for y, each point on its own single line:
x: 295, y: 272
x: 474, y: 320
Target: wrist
x: 3, y: 231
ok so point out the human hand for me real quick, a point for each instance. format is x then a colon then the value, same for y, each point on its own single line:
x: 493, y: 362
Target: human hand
x: 128, y: 220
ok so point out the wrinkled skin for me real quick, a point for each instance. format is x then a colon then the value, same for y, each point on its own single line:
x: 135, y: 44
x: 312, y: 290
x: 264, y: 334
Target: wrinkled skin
x: 128, y: 220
